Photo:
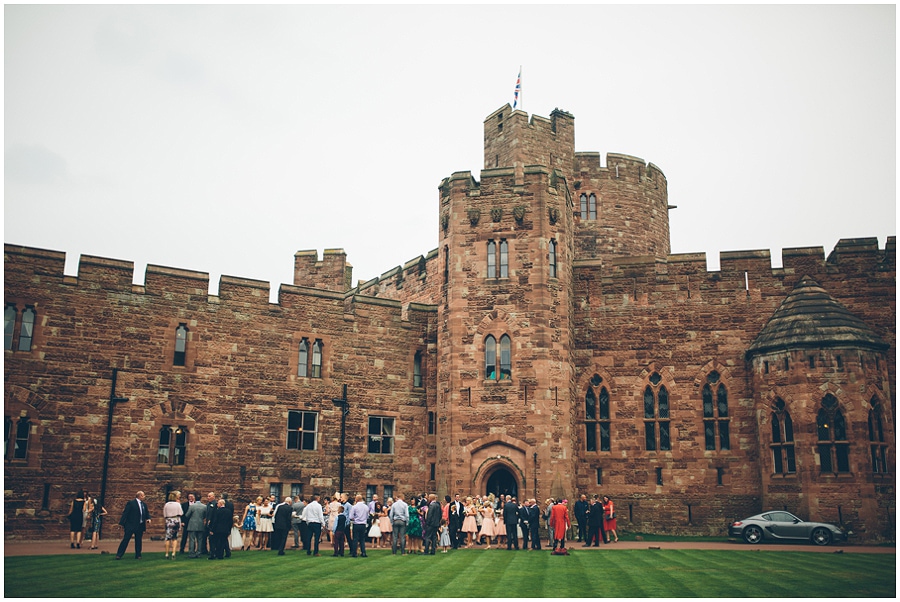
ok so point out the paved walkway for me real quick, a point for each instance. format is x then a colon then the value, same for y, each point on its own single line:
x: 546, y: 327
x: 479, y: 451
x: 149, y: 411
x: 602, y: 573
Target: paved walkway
x: 109, y: 546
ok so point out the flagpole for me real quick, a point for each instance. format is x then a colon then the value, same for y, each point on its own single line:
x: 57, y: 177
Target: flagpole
x: 521, y: 96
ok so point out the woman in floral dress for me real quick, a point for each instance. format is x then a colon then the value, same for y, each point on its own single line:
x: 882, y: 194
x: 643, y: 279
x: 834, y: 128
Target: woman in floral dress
x: 248, y: 524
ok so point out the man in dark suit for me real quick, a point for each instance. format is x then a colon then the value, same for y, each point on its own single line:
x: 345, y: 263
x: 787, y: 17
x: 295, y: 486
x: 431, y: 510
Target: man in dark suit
x: 281, y: 525
x: 230, y: 507
x: 456, y: 520
x: 219, y: 528
x: 432, y: 524
x: 511, y: 519
x: 524, y: 517
x: 534, y: 524
x: 185, y: 506
x: 211, y: 505
x: 581, y: 507
x: 135, y: 519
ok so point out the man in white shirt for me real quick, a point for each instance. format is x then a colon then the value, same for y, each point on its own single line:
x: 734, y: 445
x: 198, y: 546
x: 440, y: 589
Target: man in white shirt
x: 359, y: 517
x: 315, y: 518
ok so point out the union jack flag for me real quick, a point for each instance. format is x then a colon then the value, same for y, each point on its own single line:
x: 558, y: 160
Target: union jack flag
x: 518, y: 89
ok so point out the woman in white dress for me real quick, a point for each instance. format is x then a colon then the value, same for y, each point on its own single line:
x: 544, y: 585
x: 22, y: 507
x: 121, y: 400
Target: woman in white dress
x: 264, y: 524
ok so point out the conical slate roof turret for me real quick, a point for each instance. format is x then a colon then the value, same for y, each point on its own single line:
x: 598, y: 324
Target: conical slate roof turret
x: 810, y: 317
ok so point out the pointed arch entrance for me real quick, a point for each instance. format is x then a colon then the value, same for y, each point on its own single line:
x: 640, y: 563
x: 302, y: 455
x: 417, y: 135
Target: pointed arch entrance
x: 502, y: 482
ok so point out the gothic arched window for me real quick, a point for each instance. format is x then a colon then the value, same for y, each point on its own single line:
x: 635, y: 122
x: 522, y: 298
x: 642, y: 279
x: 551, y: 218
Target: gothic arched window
x: 782, y: 439
x: 656, y: 415
x: 834, y: 448
x: 877, y: 444
x: 180, y: 345
x: 597, y: 416
x: 715, y: 412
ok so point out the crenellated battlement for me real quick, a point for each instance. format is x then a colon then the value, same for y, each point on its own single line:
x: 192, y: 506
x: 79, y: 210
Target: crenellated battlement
x: 850, y: 258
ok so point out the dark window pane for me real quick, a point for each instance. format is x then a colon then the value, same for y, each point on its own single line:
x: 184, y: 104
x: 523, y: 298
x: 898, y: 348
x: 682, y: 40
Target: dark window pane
x: 22, y: 431
x: 791, y: 465
x: 604, y: 436
x: 709, y: 434
x: 9, y: 325
x: 655, y: 378
x: 309, y: 440
x: 295, y: 419
x: 840, y: 427
x: 27, y: 331
x: 843, y: 457
x: 591, y: 436
x: 293, y: 439
x: 825, y: 458
x: 664, y: 443
x: 649, y: 403
x: 823, y: 426
x: 722, y: 398
x: 663, y: 402
x: 707, y: 402
x: 776, y: 430
x: 590, y: 405
x: 776, y: 455
x: 724, y: 441
x: 604, y: 404
x: 490, y: 358
x: 309, y: 421
x: 303, y: 359
x: 650, y: 435
x: 788, y: 428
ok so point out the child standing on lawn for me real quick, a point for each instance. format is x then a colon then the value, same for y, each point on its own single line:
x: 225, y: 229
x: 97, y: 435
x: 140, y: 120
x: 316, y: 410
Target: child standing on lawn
x: 445, y: 536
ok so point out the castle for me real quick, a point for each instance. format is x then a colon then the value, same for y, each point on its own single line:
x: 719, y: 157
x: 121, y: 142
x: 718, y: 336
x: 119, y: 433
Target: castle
x: 550, y: 345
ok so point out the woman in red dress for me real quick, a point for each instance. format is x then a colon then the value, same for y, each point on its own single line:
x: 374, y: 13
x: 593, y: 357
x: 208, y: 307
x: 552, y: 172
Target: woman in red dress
x: 559, y: 522
x: 609, y: 518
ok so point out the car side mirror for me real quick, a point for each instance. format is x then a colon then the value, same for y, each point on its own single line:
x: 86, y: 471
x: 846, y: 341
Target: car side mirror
x: 796, y: 520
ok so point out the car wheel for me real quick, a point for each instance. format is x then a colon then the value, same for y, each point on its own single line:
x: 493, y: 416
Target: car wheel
x: 821, y: 536
x: 753, y: 534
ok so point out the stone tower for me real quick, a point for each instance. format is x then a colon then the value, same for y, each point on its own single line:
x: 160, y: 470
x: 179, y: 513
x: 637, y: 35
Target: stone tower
x: 506, y: 382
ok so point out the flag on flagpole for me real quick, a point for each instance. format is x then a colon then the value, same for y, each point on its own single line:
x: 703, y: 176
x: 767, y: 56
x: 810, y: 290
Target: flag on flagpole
x: 518, y: 89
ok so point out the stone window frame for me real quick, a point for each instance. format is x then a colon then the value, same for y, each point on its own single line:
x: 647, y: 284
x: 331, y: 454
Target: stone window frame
x: 784, y: 456
x: 179, y: 357
x: 13, y: 435
x: 20, y: 328
x: 382, y: 437
x: 654, y: 423
x: 301, y: 431
x: 716, y: 419
x: 497, y: 259
x: 588, y: 202
x: 492, y: 349
x: 832, y: 442
x: 311, y: 339
x: 552, y: 259
x: 175, y: 451
x: 418, y: 379
x: 595, y: 389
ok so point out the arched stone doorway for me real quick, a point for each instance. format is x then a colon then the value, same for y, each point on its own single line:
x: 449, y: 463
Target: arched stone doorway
x: 502, y: 482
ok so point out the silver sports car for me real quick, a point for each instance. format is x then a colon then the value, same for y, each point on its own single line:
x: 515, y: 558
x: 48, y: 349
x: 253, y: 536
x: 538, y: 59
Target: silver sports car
x: 778, y: 525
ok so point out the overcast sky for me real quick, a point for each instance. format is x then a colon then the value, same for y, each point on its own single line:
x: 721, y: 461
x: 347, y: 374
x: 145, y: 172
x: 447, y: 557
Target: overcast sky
x: 224, y: 139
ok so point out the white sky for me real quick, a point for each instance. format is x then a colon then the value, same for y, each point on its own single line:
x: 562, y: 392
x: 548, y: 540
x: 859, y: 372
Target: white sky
x: 224, y: 139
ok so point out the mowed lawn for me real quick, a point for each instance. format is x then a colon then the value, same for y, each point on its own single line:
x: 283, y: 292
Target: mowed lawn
x: 460, y: 574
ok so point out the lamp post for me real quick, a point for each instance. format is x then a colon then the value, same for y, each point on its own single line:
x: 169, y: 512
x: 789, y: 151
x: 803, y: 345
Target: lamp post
x: 113, y: 400
x: 342, y: 403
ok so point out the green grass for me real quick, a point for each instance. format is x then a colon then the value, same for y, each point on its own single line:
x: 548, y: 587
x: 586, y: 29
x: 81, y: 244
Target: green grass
x: 460, y: 574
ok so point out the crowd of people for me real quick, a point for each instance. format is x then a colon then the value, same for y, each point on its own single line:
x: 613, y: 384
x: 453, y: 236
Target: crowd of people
x: 210, y: 527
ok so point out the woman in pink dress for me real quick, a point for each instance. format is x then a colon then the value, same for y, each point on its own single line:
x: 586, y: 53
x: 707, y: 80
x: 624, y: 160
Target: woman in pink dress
x: 487, y: 526
x: 384, y: 523
x: 609, y: 519
x: 469, y: 526
x: 500, y: 526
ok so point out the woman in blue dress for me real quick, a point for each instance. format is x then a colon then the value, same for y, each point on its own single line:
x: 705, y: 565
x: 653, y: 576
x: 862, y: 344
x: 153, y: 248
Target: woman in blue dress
x: 248, y: 524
